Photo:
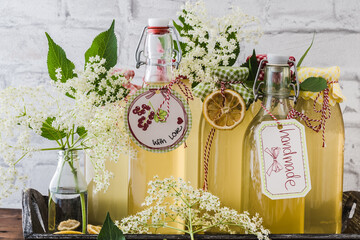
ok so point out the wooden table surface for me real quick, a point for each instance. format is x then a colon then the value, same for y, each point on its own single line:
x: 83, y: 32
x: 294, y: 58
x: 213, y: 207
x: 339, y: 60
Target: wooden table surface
x: 10, y: 224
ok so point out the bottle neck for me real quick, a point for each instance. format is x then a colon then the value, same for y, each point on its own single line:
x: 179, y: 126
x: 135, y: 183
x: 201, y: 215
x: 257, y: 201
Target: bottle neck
x: 278, y: 107
x: 158, y: 51
x: 68, y: 159
x: 277, y: 91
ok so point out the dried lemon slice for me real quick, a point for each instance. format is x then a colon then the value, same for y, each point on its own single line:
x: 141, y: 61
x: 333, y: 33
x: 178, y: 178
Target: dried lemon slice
x: 92, y: 229
x: 224, y: 113
x: 68, y: 225
x: 68, y: 232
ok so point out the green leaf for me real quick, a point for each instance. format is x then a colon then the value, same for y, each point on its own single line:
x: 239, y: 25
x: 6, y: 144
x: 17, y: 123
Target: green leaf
x: 105, y: 46
x: 156, y: 119
x: 162, y: 113
x: 162, y: 116
x: 49, y: 132
x: 110, y: 231
x: 306, y: 52
x: 313, y: 84
x: 57, y: 59
x: 253, y: 65
x: 81, y: 131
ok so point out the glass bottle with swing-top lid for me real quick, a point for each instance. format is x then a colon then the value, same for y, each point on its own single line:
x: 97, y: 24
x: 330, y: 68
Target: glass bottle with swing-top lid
x: 158, y: 116
x: 275, y: 174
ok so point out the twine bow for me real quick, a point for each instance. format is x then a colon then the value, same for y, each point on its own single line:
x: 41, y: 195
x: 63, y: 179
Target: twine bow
x: 275, y: 166
x: 324, y: 111
x: 166, y: 90
x: 326, y: 98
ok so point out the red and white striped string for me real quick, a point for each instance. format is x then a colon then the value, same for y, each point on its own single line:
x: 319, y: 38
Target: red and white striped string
x: 207, y: 149
x: 209, y: 140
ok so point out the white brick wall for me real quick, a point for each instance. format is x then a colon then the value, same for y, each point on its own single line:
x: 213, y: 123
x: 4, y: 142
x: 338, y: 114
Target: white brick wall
x: 288, y: 28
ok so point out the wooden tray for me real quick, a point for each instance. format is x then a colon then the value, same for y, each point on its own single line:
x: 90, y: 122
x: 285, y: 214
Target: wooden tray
x: 34, y: 221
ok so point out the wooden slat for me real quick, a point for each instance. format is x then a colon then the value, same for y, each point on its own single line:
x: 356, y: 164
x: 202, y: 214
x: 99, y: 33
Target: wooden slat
x: 10, y: 224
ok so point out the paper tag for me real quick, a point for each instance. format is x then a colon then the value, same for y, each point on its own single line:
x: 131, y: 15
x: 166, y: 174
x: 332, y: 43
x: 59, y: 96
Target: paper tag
x: 158, y: 129
x: 284, y: 165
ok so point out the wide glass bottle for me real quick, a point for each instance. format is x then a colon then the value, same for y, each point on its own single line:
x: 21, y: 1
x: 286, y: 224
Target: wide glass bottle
x: 323, y: 204
x: 281, y: 215
x: 67, y: 195
x: 223, y: 169
x: 181, y: 162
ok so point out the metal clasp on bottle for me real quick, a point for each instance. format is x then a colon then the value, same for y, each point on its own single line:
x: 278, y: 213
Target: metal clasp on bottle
x: 178, y: 53
x: 296, y: 87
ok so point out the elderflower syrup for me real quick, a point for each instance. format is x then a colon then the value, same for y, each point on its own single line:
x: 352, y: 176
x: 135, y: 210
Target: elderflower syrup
x: 219, y: 150
x: 323, y: 205
x: 179, y: 161
x: 274, y: 172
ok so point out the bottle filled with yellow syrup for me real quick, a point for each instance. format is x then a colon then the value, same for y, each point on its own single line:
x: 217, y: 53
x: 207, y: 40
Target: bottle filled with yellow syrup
x: 275, y: 171
x: 164, y: 127
x: 323, y: 204
x: 114, y: 200
x: 221, y: 137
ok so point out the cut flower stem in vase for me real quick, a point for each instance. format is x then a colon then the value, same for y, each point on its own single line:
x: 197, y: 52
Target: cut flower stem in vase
x: 67, y: 195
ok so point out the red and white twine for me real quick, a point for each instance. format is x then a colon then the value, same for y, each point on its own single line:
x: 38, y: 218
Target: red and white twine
x: 183, y: 88
x: 207, y: 149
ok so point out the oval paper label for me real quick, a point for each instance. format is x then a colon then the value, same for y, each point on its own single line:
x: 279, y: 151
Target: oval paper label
x: 155, y: 124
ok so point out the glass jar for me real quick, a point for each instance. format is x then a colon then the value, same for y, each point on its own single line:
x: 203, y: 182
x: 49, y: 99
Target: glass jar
x: 67, y: 195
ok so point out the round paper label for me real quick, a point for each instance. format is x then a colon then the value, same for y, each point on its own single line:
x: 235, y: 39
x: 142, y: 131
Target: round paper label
x: 155, y: 123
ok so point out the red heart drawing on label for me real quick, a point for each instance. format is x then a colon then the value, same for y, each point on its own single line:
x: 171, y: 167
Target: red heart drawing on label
x: 179, y: 121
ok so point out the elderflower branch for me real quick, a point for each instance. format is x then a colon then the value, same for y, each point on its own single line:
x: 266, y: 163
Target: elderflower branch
x: 209, y: 42
x: 92, y: 113
x: 167, y: 208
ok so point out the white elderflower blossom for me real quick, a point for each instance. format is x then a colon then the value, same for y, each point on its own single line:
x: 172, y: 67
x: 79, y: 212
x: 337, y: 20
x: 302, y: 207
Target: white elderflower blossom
x: 95, y: 105
x: 175, y: 204
x: 212, y: 42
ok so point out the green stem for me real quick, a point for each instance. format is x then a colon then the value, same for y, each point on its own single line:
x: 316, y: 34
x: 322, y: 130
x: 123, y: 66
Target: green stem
x: 82, y: 196
x: 72, y: 135
x: 21, y: 158
x: 83, y: 212
x: 50, y: 149
x: 190, y: 225
x: 167, y: 226
x: 152, y: 106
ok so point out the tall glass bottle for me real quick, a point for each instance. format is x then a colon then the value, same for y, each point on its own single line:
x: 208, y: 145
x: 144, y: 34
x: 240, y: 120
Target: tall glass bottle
x: 323, y: 204
x: 281, y: 215
x: 181, y: 162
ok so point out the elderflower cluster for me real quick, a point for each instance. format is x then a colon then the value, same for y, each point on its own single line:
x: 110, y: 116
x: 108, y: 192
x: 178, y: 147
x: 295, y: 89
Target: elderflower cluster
x: 172, y: 203
x: 23, y: 111
x: 99, y: 109
x: 213, y: 42
x: 95, y: 104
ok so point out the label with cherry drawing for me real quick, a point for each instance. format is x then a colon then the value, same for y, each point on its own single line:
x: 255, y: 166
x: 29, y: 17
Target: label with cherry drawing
x: 157, y: 120
x: 282, y: 152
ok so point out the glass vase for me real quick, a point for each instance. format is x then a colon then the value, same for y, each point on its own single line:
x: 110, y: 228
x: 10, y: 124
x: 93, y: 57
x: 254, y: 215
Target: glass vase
x: 67, y: 206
